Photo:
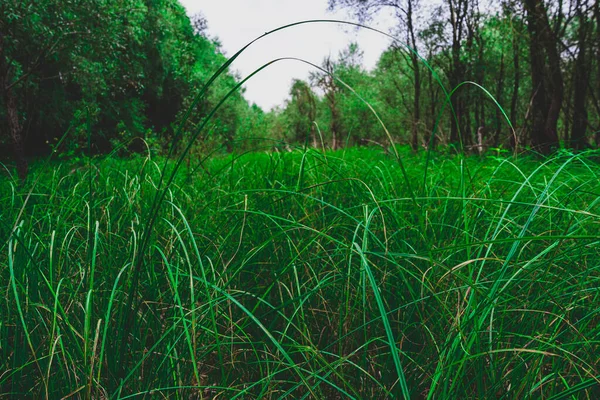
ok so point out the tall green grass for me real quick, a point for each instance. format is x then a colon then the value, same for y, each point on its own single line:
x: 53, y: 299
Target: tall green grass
x: 304, y: 275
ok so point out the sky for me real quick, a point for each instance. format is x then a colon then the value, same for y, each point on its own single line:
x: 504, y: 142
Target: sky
x: 237, y: 22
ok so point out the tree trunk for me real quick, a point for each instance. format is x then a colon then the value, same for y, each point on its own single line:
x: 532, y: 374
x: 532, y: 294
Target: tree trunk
x: 515, y: 92
x: 430, y: 133
x: 414, y: 142
x: 581, y: 78
x: 597, y: 17
x: 479, y: 97
x: 335, y: 119
x: 499, y: 91
x: 458, y: 11
x: 455, y: 135
x: 12, y: 113
x: 16, y: 133
x: 480, y: 133
x: 312, y: 116
x: 546, y: 77
x: 569, y: 89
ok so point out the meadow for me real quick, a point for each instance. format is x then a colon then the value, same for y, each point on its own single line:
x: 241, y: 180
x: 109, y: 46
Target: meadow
x: 303, y: 274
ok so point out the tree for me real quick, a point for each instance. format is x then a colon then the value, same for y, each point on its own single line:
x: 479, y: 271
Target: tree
x: 326, y: 81
x: 597, y: 57
x: 357, y: 119
x: 36, y: 40
x: 7, y: 84
x: 113, y: 70
x: 301, y: 112
x: 581, y: 77
x: 405, y: 13
x: 546, y: 77
x: 510, y: 12
x: 458, y: 18
x: 432, y: 39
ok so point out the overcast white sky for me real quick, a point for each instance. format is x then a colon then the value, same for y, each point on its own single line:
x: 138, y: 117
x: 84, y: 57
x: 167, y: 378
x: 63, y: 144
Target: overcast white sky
x: 236, y: 22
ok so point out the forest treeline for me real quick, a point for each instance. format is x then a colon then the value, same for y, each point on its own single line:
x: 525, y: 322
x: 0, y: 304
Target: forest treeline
x: 107, y: 72
x: 121, y: 75
x: 520, y: 74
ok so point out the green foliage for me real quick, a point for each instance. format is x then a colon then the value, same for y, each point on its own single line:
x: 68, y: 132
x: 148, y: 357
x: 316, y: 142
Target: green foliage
x: 358, y: 122
x: 347, y: 91
x: 132, y: 66
x: 301, y: 113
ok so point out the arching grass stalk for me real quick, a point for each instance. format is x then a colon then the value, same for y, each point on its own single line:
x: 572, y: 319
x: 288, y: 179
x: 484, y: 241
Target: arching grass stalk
x: 154, y: 210
x: 228, y: 63
x: 159, y: 197
x: 161, y: 194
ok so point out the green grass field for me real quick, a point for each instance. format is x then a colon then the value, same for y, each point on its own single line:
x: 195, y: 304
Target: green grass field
x: 303, y: 275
